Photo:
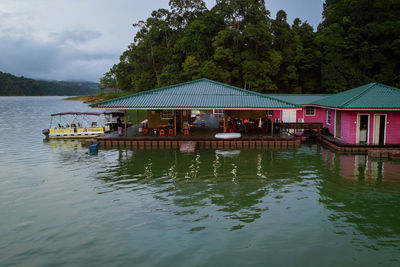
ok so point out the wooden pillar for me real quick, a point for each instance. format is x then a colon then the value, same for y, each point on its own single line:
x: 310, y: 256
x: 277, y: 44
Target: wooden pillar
x: 174, y: 122
x: 125, y: 121
x: 181, y: 120
x: 137, y: 116
x: 272, y: 126
x: 224, y: 121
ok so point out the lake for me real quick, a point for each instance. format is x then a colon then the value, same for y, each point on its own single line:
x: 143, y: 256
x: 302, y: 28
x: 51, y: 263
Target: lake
x: 251, y: 207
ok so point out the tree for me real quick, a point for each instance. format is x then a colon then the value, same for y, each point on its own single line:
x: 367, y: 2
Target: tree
x: 109, y: 81
x: 237, y: 42
x: 358, y: 43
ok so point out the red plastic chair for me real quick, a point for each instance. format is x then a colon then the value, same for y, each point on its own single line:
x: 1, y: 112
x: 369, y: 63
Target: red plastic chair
x: 171, y: 131
x: 186, y: 132
x: 162, y: 132
x: 145, y: 131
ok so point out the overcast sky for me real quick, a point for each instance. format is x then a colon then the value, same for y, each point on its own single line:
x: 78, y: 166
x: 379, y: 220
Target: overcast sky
x: 82, y: 39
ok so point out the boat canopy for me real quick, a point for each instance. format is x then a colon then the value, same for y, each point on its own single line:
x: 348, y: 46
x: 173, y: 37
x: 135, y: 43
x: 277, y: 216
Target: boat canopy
x: 77, y: 113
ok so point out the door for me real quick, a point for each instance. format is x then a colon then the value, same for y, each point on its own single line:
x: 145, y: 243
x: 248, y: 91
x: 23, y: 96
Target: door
x: 363, y: 128
x: 288, y: 115
x: 379, y: 129
x: 338, y: 124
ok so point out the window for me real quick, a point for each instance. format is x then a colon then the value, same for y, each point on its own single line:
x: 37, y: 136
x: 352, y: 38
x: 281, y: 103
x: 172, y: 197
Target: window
x: 310, y: 111
x: 218, y: 113
x: 270, y: 113
x: 167, y: 114
x: 328, y: 117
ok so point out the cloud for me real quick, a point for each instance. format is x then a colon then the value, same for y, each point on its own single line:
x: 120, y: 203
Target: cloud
x: 64, y: 55
x: 76, y: 37
x: 53, y: 60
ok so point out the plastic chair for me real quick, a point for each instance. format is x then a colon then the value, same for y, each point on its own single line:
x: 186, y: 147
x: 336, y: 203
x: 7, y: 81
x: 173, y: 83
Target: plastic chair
x: 171, y: 131
x: 186, y: 132
x: 162, y: 132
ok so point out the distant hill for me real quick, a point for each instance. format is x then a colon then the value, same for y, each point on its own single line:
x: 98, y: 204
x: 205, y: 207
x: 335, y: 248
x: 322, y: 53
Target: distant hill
x: 11, y: 85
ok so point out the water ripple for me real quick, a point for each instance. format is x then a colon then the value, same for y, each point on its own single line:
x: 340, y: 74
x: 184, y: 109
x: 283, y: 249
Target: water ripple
x: 61, y: 206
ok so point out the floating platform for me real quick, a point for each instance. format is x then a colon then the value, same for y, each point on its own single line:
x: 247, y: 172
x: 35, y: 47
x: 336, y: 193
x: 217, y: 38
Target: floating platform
x: 284, y: 143
x: 372, y: 150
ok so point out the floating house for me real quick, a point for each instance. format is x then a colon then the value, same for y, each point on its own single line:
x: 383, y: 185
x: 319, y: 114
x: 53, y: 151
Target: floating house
x: 176, y: 103
x: 366, y: 115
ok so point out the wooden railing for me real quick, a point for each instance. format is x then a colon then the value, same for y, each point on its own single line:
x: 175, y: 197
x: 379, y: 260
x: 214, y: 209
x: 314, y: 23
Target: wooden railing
x: 299, y: 125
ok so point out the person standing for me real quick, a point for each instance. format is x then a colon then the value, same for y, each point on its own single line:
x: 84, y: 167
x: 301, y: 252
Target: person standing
x: 119, y: 125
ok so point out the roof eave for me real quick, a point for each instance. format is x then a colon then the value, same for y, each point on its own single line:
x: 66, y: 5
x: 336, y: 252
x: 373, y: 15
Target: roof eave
x: 200, y: 108
x: 356, y: 108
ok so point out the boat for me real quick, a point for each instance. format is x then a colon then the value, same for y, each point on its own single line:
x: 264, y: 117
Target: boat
x: 227, y: 135
x: 71, y: 125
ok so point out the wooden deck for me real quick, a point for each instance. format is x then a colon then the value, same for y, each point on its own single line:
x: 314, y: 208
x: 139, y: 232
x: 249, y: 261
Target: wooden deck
x: 281, y: 143
x: 205, y: 138
x: 340, y: 145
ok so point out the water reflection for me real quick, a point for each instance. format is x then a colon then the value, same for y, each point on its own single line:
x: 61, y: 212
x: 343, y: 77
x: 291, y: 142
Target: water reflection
x: 63, y: 145
x: 350, y: 198
x: 58, y: 203
x: 362, y: 168
x: 364, y: 193
x: 231, y: 184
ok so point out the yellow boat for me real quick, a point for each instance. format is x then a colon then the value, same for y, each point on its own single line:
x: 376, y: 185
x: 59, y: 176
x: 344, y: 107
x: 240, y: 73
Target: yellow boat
x: 72, y: 125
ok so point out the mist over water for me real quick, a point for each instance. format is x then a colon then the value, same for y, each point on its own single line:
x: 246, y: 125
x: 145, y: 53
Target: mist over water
x: 305, y: 207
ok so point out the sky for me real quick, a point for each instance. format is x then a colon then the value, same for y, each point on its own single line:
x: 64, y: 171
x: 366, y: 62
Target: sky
x: 83, y: 39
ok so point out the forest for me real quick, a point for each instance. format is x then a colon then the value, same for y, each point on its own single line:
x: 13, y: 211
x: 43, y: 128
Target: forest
x: 239, y: 42
x: 11, y: 85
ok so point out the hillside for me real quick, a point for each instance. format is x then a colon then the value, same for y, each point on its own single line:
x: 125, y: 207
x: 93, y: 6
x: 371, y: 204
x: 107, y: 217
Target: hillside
x: 11, y: 85
x: 241, y: 43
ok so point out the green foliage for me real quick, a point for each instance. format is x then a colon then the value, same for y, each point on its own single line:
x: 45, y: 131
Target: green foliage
x: 237, y: 42
x: 109, y: 81
x: 359, y: 40
x: 11, y: 85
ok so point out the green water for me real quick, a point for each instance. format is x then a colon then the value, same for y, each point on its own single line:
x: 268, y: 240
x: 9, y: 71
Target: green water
x: 306, y: 207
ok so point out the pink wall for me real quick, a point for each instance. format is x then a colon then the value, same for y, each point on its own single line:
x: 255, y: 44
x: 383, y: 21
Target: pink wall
x: 318, y: 117
x: 330, y: 126
x: 299, y: 114
x: 349, y: 123
x: 349, y: 126
x: 393, y: 127
x: 276, y: 115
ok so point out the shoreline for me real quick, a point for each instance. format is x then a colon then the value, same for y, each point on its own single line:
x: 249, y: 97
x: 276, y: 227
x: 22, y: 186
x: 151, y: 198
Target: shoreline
x: 91, y: 99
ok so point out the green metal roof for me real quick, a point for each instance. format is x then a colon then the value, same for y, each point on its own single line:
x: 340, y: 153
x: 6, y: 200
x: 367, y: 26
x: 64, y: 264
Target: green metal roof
x: 299, y: 99
x: 198, y: 94
x: 373, y: 95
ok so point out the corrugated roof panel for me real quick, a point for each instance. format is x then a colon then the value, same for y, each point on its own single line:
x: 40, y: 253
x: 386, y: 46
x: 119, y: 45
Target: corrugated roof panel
x: 373, y: 95
x: 196, y: 94
x: 299, y: 99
